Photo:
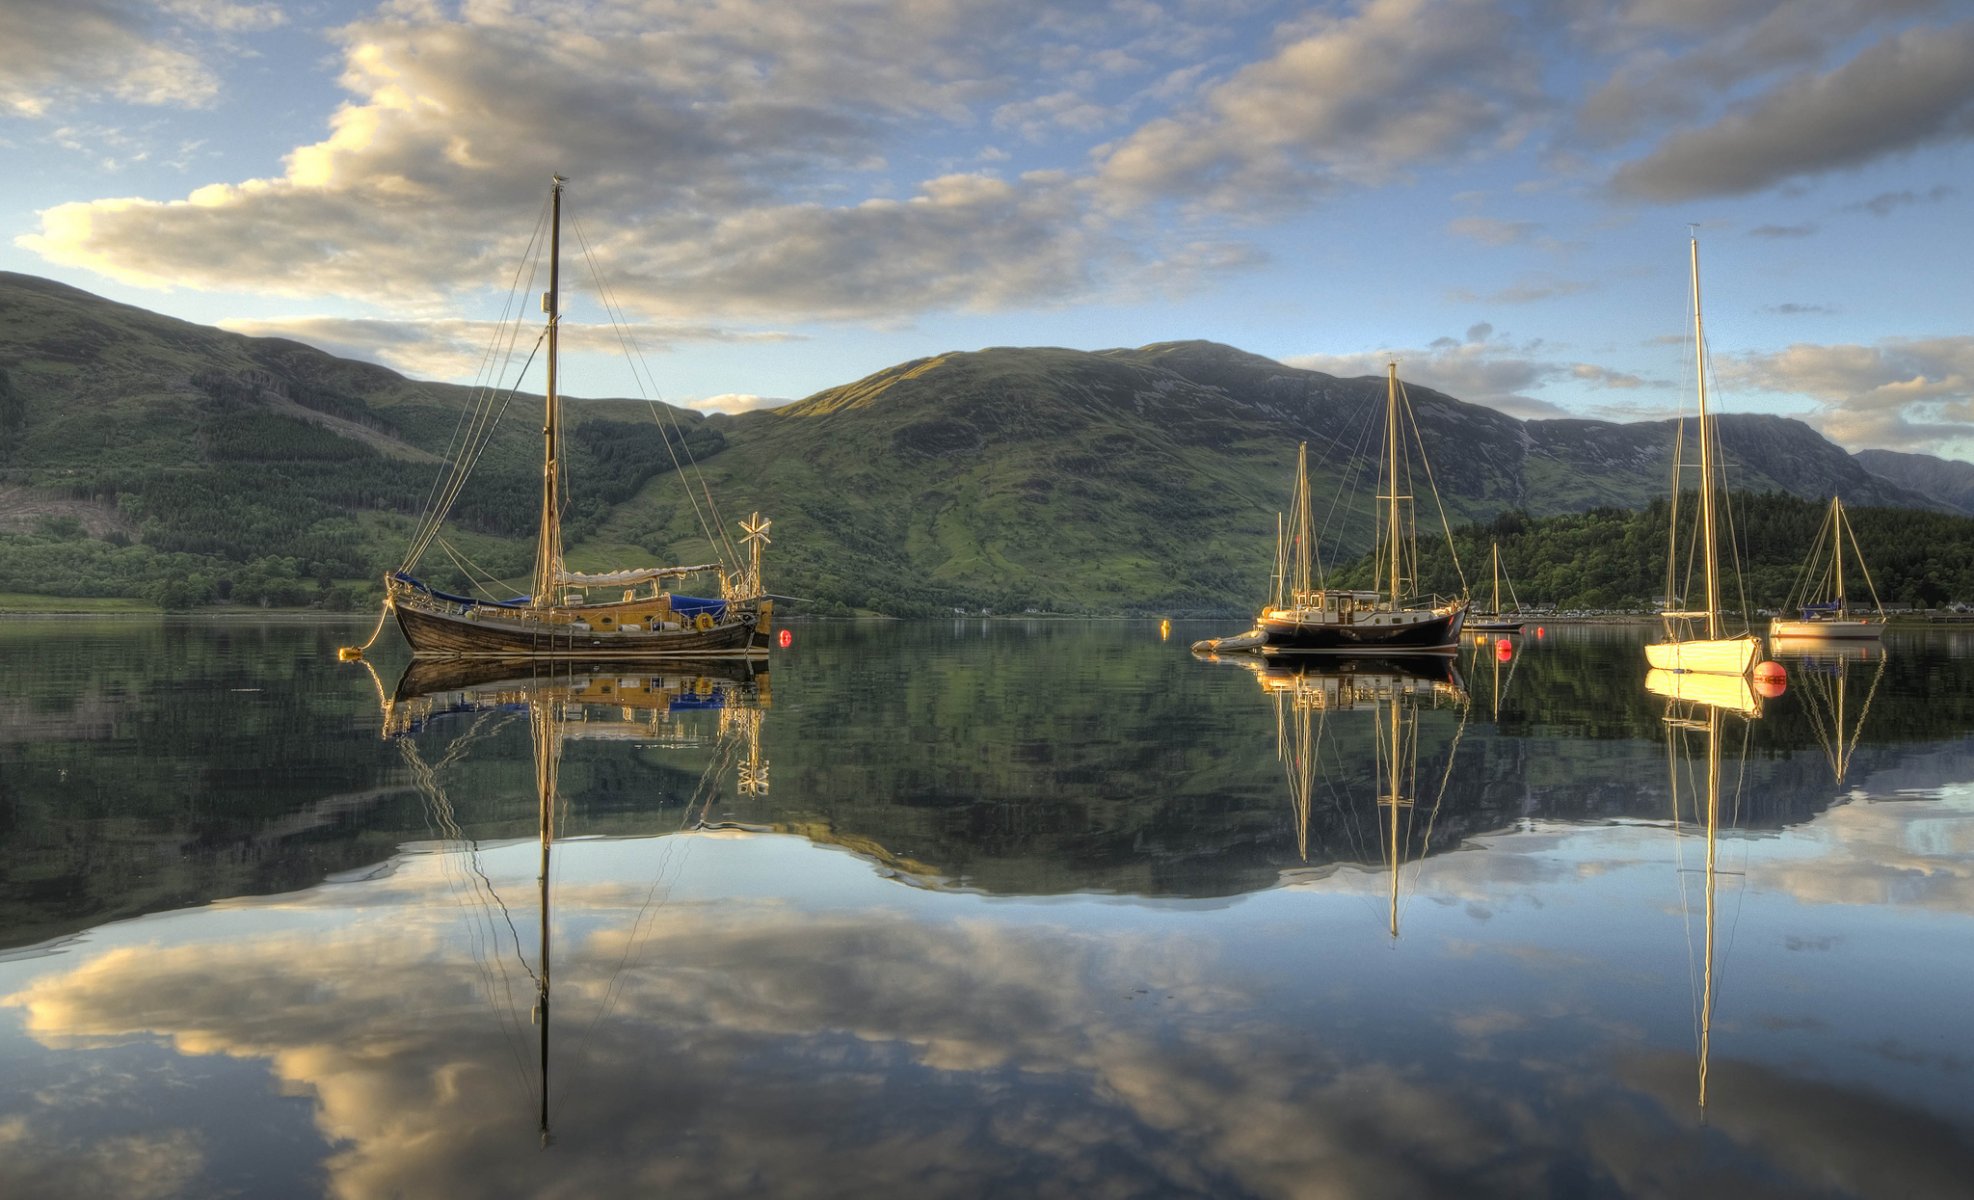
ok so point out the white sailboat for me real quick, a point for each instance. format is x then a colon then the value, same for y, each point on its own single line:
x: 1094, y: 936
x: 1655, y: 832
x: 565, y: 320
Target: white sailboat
x: 1495, y: 620
x: 1820, y: 598
x: 1693, y: 638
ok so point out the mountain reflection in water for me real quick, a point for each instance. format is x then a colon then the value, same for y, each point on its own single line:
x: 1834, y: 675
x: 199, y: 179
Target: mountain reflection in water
x: 1110, y: 968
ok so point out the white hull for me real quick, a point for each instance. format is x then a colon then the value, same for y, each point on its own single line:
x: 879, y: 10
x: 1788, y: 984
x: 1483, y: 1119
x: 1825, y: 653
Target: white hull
x: 1826, y: 630
x: 1725, y: 692
x: 1728, y: 656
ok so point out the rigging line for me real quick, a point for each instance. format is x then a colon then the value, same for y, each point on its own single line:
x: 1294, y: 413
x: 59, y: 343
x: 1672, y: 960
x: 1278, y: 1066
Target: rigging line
x: 1727, y: 496
x: 486, y: 581
x: 475, y: 428
x: 1799, y: 592
x: 1349, y: 472
x: 439, y: 809
x: 430, y: 529
x: 1419, y: 437
x: 479, y: 420
x: 480, y: 377
x: 715, y: 529
x: 482, y: 436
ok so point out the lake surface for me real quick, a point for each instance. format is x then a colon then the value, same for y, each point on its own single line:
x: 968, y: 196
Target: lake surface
x: 970, y: 908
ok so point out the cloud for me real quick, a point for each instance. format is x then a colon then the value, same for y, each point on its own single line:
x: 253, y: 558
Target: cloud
x: 1480, y: 369
x: 1355, y: 99
x: 1884, y: 204
x: 458, y: 349
x: 1524, y: 291
x: 1782, y: 231
x: 1800, y: 310
x: 1491, y: 232
x: 736, y: 402
x: 62, y: 52
x: 1901, y: 394
x: 1908, y: 90
x: 708, y: 155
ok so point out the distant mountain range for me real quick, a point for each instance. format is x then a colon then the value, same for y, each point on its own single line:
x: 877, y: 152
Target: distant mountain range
x: 1111, y: 481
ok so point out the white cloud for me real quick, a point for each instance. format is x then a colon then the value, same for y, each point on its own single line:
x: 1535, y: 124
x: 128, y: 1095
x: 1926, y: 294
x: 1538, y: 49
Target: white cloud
x: 1479, y: 369
x: 736, y: 402
x: 1900, y: 394
x: 709, y: 150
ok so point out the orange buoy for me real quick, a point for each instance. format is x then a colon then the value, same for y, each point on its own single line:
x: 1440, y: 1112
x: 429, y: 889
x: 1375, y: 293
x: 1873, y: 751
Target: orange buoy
x: 1770, y: 679
x: 1538, y: 631
x: 1504, y: 650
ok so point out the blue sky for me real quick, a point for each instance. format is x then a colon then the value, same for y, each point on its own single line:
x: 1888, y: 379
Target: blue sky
x: 785, y: 196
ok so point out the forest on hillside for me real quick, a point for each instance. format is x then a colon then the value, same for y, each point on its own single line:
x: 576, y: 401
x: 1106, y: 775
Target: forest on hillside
x: 1615, y: 559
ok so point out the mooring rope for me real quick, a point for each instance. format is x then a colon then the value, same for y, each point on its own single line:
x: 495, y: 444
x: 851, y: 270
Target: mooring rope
x: 355, y: 653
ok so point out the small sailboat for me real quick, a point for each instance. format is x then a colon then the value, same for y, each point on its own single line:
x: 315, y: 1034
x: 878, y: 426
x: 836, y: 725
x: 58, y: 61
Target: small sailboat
x: 1694, y: 639
x: 1820, y: 596
x: 1493, y: 619
x: 637, y: 615
x: 1304, y: 616
x: 1699, y: 707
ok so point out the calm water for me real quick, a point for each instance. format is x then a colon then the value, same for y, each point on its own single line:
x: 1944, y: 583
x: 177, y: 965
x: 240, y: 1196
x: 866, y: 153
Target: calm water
x: 953, y: 910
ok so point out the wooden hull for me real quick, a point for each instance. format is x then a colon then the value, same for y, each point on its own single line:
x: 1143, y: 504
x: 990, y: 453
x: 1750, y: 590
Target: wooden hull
x: 1727, y: 656
x: 1407, y: 631
x: 456, y: 635
x: 1826, y: 630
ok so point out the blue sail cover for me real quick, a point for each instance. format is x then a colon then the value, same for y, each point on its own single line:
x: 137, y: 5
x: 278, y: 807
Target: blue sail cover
x: 1811, y: 611
x: 688, y: 607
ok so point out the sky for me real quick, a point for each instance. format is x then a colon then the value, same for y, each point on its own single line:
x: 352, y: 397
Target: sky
x: 782, y: 197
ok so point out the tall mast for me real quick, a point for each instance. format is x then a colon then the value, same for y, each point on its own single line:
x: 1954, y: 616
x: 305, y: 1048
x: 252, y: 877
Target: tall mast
x: 1497, y: 579
x: 1837, y: 559
x: 548, y: 551
x: 1706, y: 459
x: 1304, y: 533
x: 1391, y: 468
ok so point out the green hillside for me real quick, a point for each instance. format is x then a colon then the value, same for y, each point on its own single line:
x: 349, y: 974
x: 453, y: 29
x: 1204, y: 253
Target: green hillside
x: 142, y: 456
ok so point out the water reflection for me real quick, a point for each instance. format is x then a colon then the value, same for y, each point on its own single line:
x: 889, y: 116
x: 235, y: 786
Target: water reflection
x: 562, y: 701
x: 1697, y: 708
x: 740, y: 1010
x: 1389, y: 694
x: 1821, y: 676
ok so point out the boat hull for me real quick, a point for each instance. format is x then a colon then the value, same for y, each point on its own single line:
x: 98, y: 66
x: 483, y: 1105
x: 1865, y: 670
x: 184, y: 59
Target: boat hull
x: 1407, y: 631
x: 1491, y: 625
x: 1725, y: 656
x: 1819, y: 631
x: 457, y: 635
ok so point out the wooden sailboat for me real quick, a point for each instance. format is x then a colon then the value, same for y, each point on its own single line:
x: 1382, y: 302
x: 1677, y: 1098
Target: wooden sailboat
x: 1821, y: 600
x: 642, y: 617
x: 1303, y: 616
x: 1693, y: 638
x: 1494, y: 620
x: 570, y: 700
x: 1307, y: 691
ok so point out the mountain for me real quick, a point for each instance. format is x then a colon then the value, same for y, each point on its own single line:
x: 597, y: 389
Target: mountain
x: 1948, y: 482
x: 145, y: 455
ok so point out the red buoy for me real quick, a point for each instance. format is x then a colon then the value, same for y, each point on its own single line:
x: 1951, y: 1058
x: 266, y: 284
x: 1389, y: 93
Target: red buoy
x: 1504, y: 650
x: 1770, y: 679
x: 1538, y: 631
x: 786, y: 639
